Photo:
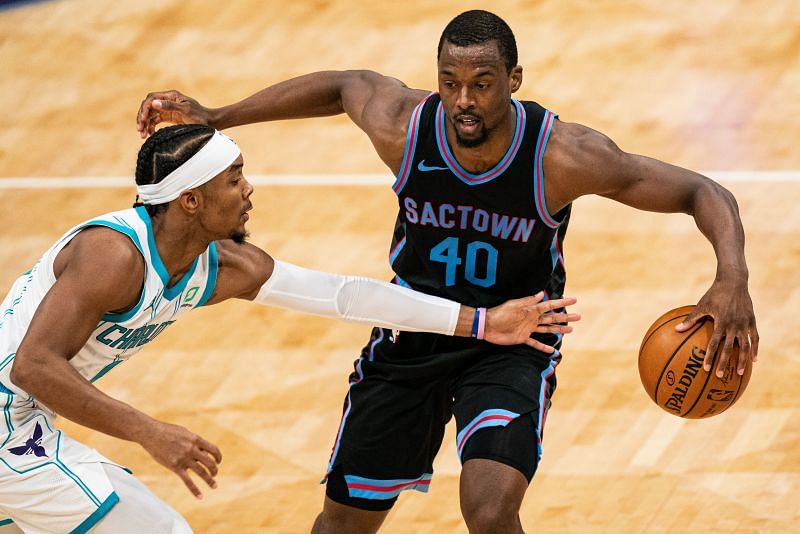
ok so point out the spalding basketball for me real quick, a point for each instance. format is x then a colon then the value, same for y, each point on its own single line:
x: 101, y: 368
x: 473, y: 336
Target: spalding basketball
x: 671, y: 368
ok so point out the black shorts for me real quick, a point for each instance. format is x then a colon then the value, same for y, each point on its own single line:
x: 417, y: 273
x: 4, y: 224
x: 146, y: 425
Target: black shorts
x: 406, y: 387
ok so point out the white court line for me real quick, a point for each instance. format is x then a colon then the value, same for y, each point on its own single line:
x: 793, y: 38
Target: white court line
x: 304, y: 180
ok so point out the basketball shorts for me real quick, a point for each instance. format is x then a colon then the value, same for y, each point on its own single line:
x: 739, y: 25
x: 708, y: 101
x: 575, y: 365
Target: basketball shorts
x: 405, y: 388
x: 52, y: 483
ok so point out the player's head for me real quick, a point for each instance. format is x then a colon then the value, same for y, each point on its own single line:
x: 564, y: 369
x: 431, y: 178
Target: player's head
x: 478, y: 71
x: 199, y: 170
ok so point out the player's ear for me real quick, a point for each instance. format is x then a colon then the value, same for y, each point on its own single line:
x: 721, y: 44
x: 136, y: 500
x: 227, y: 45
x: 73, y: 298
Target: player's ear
x: 515, y: 78
x: 190, y: 200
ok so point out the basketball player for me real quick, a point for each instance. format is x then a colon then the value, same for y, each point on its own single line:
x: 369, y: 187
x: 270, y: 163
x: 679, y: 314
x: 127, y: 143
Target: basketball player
x: 485, y: 186
x: 112, y: 284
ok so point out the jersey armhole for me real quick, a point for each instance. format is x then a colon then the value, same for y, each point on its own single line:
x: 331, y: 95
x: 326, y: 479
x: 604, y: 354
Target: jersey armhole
x: 538, y: 173
x: 211, y: 281
x: 410, y: 148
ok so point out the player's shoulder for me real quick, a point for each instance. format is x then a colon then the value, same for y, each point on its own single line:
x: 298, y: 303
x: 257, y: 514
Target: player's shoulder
x: 243, y: 268
x: 103, y: 248
x: 576, y: 146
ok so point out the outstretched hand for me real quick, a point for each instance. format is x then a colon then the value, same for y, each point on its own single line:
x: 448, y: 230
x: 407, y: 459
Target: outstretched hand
x: 513, y: 322
x: 731, y: 309
x: 181, y: 451
x: 169, y: 106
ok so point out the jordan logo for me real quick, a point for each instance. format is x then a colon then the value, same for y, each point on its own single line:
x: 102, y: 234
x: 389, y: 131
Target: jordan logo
x: 32, y: 445
x: 426, y: 168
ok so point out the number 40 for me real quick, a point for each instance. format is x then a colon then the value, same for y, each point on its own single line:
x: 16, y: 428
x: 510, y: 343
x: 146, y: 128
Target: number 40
x: 447, y: 252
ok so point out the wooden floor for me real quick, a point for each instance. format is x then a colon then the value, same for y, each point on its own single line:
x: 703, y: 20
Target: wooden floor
x: 710, y: 84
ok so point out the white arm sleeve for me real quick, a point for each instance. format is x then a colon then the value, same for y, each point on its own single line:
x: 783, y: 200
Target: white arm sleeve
x: 357, y: 299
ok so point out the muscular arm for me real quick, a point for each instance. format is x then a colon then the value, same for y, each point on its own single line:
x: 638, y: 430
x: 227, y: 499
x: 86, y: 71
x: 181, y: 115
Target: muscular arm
x: 580, y: 161
x: 88, y: 285
x: 99, y: 271
x: 381, y: 106
x: 247, y: 272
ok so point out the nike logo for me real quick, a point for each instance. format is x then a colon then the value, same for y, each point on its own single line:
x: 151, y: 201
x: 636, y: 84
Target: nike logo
x: 425, y: 168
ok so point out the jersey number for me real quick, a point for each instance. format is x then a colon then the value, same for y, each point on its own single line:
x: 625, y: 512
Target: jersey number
x: 477, y: 252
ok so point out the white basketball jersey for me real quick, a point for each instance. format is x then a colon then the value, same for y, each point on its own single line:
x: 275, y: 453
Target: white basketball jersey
x: 117, y: 337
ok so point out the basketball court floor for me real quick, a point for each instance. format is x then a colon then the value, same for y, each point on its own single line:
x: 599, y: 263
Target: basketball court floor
x: 712, y: 85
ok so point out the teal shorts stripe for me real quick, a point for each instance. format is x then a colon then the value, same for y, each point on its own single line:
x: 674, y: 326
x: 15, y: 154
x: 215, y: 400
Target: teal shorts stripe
x: 97, y: 515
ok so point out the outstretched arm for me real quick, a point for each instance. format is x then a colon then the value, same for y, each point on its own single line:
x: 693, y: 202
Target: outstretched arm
x: 90, y: 284
x: 581, y: 161
x: 379, y: 105
x: 249, y: 273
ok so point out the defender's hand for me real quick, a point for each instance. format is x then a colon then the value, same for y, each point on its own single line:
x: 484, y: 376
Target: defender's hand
x: 513, y: 322
x: 169, y: 106
x: 731, y: 308
x: 180, y: 450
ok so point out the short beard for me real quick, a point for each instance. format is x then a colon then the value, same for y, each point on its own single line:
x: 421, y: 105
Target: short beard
x: 240, y: 236
x: 472, y: 143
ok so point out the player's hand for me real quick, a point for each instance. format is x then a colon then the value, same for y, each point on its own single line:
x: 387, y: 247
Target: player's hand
x: 731, y: 308
x: 169, y: 106
x: 513, y: 322
x: 181, y: 451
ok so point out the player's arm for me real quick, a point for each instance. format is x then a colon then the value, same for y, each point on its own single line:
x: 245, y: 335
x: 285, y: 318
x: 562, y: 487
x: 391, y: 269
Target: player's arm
x: 99, y: 271
x: 581, y: 161
x: 247, y: 272
x: 380, y: 105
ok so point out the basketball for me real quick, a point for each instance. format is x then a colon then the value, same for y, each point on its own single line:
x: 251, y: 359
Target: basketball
x: 671, y: 368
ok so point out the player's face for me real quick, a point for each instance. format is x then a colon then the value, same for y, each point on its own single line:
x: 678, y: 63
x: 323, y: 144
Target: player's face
x: 227, y: 203
x: 476, y: 90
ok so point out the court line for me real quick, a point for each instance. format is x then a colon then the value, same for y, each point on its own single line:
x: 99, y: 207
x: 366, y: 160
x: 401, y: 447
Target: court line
x: 330, y: 180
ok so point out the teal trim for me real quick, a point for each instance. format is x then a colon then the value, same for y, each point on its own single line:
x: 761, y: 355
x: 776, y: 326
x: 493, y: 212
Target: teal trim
x: 5, y: 522
x: 131, y: 234
x: 169, y: 292
x: 105, y: 369
x: 64, y: 469
x: 7, y: 360
x: 7, y: 417
x: 155, y: 259
x: 211, y: 283
x: 98, y: 514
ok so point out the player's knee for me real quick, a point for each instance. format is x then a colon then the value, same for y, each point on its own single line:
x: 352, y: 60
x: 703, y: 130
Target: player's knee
x: 174, y: 523
x: 490, y: 517
x: 337, y: 518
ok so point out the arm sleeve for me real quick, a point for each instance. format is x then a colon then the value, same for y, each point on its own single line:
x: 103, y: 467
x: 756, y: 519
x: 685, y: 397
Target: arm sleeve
x: 357, y: 299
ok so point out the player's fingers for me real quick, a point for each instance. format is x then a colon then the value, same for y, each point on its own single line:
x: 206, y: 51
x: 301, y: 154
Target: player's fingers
x: 210, y: 448
x: 189, y: 483
x: 553, y: 329
x: 202, y: 473
x: 745, y: 353
x: 538, y: 345
x: 711, y: 350
x: 208, y: 462
x: 689, y: 322
x: 754, y: 338
x: 561, y: 303
x: 725, y: 355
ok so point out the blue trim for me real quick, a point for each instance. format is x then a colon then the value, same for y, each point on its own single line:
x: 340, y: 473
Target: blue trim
x: 547, y: 373
x: 211, y: 283
x: 400, y: 282
x: 396, y: 252
x: 170, y: 292
x: 98, y: 514
x: 477, y: 179
x: 420, y: 484
x: 338, y: 441
x: 7, y: 360
x: 372, y: 346
x: 410, y: 148
x: 5, y: 522
x: 470, y: 428
x: 7, y: 417
x: 538, y: 170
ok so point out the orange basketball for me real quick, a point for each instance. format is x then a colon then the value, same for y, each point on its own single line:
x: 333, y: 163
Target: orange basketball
x: 671, y: 369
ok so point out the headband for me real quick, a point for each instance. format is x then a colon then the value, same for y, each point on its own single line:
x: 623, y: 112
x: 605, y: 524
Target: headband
x: 215, y: 156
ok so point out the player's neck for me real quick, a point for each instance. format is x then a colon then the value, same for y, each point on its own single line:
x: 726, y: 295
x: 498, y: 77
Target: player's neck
x: 178, y: 244
x: 483, y: 157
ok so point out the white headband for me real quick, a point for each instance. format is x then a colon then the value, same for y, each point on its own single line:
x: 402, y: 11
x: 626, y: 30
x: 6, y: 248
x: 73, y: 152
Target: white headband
x: 215, y: 156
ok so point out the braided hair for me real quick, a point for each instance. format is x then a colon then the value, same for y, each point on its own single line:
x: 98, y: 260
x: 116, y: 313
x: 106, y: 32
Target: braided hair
x: 165, y: 151
x: 477, y: 27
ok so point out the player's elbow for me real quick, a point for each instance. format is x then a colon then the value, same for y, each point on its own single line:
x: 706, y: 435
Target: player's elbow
x: 709, y: 192
x: 23, y: 372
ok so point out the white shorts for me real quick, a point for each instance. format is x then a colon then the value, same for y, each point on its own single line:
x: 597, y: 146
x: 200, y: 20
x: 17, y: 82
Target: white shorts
x: 50, y: 483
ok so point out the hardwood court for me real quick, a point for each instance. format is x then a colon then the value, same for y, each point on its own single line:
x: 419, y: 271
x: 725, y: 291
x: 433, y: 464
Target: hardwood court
x: 706, y: 85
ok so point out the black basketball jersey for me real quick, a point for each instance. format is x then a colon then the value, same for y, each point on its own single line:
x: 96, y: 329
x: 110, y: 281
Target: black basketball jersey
x: 477, y: 239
